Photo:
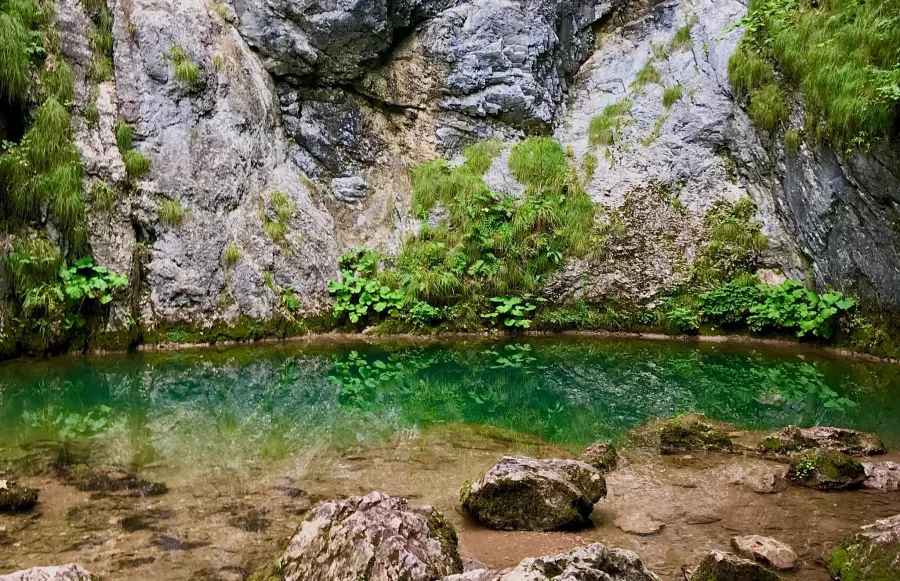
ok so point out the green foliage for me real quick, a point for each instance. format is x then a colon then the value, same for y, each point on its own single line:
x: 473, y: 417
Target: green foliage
x: 136, y: 164
x: 358, y: 296
x: 232, y: 254
x: 730, y: 304
x: 186, y: 70
x: 646, y: 76
x: 844, y: 56
x: 604, y: 129
x: 513, y: 312
x: 103, y: 197
x: 124, y: 136
x: 655, y: 132
x: 671, y: 95
x: 733, y: 243
x: 792, y: 140
x: 538, y: 161
x: 171, y: 213
x: 274, y: 229
x: 767, y: 107
x: 480, y: 155
x: 791, y: 307
x: 682, y: 38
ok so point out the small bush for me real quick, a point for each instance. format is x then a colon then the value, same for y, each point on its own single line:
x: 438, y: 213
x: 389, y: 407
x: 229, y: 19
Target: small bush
x: 136, y: 164
x: 791, y: 307
x: 671, y: 95
x: 171, y: 213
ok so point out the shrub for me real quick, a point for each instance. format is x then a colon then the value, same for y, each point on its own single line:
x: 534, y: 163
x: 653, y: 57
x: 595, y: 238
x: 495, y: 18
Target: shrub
x: 671, y: 95
x: 171, y: 213
x: 136, y: 164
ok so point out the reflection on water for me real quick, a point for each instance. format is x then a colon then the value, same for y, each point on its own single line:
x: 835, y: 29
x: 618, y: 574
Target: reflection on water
x: 207, y: 410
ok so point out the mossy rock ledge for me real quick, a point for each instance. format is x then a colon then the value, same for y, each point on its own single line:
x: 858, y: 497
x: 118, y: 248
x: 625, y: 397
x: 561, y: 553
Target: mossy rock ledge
x: 15, y: 498
x: 872, y: 554
x: 374, y: 537
x: 719, y: 566
x: 791, y: 440
x: 693, y: 433
x: 523, y: 494
x: 601, y: 456
x: 591, y: 562
x: 826, y: 470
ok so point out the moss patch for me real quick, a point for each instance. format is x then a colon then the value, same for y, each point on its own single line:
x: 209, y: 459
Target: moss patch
x: 826, y: 470
x: 692, y: 434
x: 15, y: 498
x: 857, y: 560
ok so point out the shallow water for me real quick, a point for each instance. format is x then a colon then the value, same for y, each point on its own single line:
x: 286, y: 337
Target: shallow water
x: 246, y: 438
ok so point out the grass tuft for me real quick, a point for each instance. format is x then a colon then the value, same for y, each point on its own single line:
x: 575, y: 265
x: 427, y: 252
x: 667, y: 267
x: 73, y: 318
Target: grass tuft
x: 232, y: 254
x: 186, y: 70
x: 604, y: 129
x: 124, y: 136
x: 136, y: 164
x: 103, y: 197
x: 538, y: 160
x: 646, y: 76
x: 171, y: 213
x: 671, y: 95
x: 767, y: 107
x: 682, y: 38
x: 792, y: 140
x: 479, y: 156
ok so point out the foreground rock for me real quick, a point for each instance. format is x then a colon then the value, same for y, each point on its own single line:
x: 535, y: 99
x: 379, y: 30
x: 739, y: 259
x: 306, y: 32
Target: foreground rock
x: 792, y: 439
x: 374, y: 537
x: 15, y: 498
x: 693, y: 433
x: 873, y: 554
x: 882, y: 476
x: 766, y: 550
x: 826, y: 470
x: 594, y: 562
x: 639, y: 524
x: 70, y: 572
x: 718, y: 566
x: 601, y: 456
x: 521, y: 493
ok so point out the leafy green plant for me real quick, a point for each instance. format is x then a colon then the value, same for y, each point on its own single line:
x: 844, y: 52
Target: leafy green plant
x: 792, y: 307
x: 730, y: 304
x: 358, y: 297
x: 513, y: 312
x: 171, y: 213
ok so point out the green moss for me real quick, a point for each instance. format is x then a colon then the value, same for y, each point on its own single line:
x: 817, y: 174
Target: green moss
x: 826, y: 470
x: 692, y: 434
x: 856, y: 559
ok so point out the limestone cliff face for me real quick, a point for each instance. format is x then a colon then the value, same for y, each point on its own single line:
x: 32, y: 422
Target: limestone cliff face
x: 331, y: 103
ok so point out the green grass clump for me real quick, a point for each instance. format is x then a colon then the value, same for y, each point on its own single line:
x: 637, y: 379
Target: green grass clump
x: 232, y: 254
x: 767, y: 107
x: 538, y: 160
x: 124, y: 136
x: 136, y: 164
x: 103, y: 197
x: 275, y: 229
x: 682, y: 38
x: 186, y: 70
x: 646, y: 76
x: 91, y: 114
x: 171, y: 213
x: 792, y: 140
x: 604, y: 129
x: 844, y: 56
x: 58, y: 82
x: 480, y: 155
x: 32, y: 261
x: 671, y: 95
x: 655, y: 132
x: 63, y: 184
x: 16, y: 37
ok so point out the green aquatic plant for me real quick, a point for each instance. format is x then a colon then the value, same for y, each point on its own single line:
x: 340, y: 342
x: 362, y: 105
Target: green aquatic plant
x: 358, y: 296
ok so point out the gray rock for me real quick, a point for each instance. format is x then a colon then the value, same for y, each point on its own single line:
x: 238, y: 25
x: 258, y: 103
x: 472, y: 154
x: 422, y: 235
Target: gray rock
x: 719, y: 566
x: 350, y: 189
x: 591, y: 563
x: 602, y: 456
x: 70, y: 572
x: 639, y: 524
x: 826, y: 470
x: 766, y: 550
x: 376, y: 537
x: 793, y: 439
x: 882, y: 476
x: 521, y: 493
x: 764, y: 479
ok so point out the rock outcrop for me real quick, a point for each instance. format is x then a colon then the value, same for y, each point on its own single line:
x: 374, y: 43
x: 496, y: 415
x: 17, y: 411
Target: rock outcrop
x: 521, y: 493
x: 792, y: 439
x: 766, y: 550
x: 375, y: 537
x: 882, y: 476
x: 872, y: 554
x: 719, y: 566
x: 601, y: 456
x: 692, y: 434
x: 15, y: 498
x: 826, y: 470
x: 70, y: 572
x: 586, y: 563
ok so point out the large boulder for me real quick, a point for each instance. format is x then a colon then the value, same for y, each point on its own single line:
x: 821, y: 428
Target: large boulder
x: 872, y: 554
x: 374, y: 537
x: 882, y: 476
x: 601, y: 456
x: 15, y: 498
x: 692, y: 433
x: 594, y: 562
x: 719, y: 566
x: 766, y: 550
x: 70, y: 572
x: 792, y: 439
x: 826, y: 470
x: 521, y: 493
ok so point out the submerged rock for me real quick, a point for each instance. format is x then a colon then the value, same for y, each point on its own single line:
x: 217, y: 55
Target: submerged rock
x: 882, y: 476
x: 15, y: 498
x: 521, y: 493
x: 601, y: 456
x: 766, y: 550
x: 719, y: 566
x: 585, y: 563
x: 111, y: 480
x: 792, y: 439
x: 70, y: 572
x: 692, y: 433
x: 374, y: 537
x: 764, y: 479
x: 826, y: 470
x: 873, y: 554
x: 639, y: 524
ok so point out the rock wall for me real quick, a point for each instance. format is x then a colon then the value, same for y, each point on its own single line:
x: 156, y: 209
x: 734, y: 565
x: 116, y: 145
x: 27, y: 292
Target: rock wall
x: 332, y: 103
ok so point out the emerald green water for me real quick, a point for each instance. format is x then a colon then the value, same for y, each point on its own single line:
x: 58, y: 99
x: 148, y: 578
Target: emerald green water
x: 207, y: 410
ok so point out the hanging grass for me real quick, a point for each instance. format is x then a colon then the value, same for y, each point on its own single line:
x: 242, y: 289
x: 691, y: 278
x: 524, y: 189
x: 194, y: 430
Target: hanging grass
x: 538, y: 160
x: 103, y: 197
x: 171, y: 213
x: 32, y: 261
x: 671, y: 95
x: 186, y: 70
x: 767, y: 107
x: 604, y: 129
x: 15, y: 63
x: 682, y: 38
x: 136, y: 164
x: 792, y: 140
x: 63, y: 185
x: 479, y: 156
x: 124, y: 136
x: 58, y: 81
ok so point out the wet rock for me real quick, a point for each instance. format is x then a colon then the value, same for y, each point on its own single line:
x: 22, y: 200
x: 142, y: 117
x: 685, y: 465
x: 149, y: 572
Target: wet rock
x: 15, y: 498
x: 692, y: 434
x: 585, y: 563
x: 719, y: 566
x: 110, y: 480
x: 826, y: 470
x: 764, y: 480
x: 872, y: 554
x: 601, y: 456
x: 521, y: 493
x: 882, y: 475
x: 70, y: 572
x: 792, y: 439
x: 376, y: 537
x: 766, y: 550
x: 639, y: 524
